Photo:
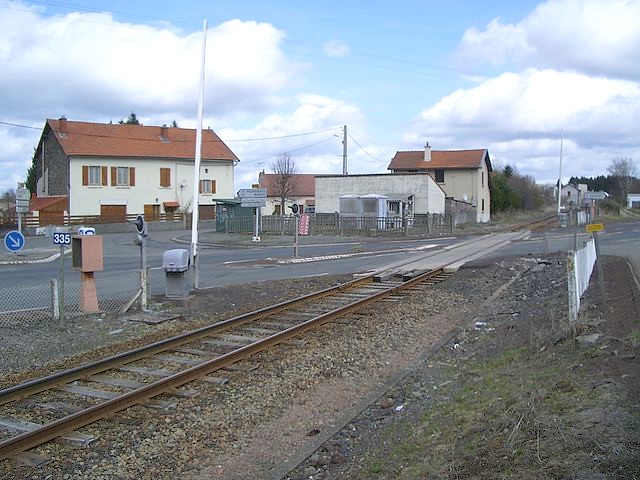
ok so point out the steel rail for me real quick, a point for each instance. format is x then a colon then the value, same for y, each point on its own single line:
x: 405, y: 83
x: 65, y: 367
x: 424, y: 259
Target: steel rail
x: 534, y: 224
x: 71, y: 422
x: 38, y: 385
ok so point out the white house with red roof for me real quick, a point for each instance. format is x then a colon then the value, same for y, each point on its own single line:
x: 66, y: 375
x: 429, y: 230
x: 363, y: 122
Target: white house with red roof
x: 301, y: 191
x: 114, y: 170
x: 462, y: 174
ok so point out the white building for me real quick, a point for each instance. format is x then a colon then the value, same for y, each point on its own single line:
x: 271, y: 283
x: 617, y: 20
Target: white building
x: 115, y: 170
x: 633, y: 200
x: 407, y: 194
x: 462, y: 174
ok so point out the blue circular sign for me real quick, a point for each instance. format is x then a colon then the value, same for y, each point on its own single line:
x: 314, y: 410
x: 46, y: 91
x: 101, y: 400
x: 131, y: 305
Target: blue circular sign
x: 14, y: 241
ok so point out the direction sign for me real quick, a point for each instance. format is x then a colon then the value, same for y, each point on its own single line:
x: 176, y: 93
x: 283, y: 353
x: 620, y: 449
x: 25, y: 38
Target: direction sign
x: 594, y: 227
x: 23, y: 194
x: 14, y: 241
x: 594, y: 195
x: 252, y: 193
x: 253, y: 202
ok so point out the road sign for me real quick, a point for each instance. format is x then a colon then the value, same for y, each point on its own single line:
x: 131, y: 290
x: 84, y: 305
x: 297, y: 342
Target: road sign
x: 594, y: 196
x: 61, y: 238
x: 253, y: 202
x: 252, y: 193
x: 14, y: 241
x: 594, y: 227
x: 23, y: 196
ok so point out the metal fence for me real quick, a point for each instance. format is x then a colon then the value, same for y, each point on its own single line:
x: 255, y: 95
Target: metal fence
x: 24, y: 305
x: 335, y: 224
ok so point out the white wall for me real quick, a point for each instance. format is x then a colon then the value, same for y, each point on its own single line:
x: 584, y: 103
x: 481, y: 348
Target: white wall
x: 632, y: 197
x: 273, y: 201
x: 86, y: 200
x: 472, y: 184
x: 428, y: 197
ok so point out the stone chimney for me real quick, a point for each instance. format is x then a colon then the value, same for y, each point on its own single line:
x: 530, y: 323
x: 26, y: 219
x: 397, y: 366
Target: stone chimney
x: 62, y: 124
x: 427, y: 153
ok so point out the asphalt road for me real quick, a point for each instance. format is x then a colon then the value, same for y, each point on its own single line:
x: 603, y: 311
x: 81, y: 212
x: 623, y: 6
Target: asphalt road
x: 232, y: 265
x: 223, y: 265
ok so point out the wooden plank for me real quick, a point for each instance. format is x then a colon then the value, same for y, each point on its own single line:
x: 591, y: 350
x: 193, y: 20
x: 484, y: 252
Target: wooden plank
x: 114, y: 381
x: 21, y: 426
x: 88, y: 392
x: 160, y: 372
x: 178, y: 359
x: 60, y: 407
x: 197, y: 351
x: 29, y: 459
x: 154, y: 372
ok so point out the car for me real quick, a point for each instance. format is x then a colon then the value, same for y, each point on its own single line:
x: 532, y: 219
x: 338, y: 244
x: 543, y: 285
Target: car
x: 86, y: 231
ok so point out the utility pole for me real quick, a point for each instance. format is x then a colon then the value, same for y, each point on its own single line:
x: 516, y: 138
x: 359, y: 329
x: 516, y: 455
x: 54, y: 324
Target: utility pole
x: 560, y: 173
x: 344, y: 151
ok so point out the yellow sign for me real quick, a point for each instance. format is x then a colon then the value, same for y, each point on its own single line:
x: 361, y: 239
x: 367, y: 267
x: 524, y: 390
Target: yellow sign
x: 594, y: 227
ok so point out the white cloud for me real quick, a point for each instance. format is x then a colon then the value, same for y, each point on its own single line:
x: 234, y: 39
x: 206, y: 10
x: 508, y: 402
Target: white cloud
x: 319, y: 152
x: 91, y: 67
x: 519, y: 117
x: 598, y: 37
x: 335, y: 48
x: 94, y: 65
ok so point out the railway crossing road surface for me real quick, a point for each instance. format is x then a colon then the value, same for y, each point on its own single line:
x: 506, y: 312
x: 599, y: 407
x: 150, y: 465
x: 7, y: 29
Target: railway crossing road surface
x: 452, y: 257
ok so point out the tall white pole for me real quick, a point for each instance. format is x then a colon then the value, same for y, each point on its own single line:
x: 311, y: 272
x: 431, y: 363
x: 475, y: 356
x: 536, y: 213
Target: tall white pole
x: 560, y: 172
x: 196, y: 167
x: 344, y: 151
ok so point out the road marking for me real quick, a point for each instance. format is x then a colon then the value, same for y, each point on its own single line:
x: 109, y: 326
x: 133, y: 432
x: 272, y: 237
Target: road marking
x: 425, y: 247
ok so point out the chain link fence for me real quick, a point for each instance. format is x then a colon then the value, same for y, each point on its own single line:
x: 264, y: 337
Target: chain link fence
x: 34, y: 304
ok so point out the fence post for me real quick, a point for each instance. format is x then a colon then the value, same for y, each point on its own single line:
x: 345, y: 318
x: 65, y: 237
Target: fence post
x: 144, y: 288
x: 55, y: 300
x: 572, y: 285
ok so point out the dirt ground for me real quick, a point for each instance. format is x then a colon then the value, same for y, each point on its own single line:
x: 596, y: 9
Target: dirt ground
x: 513, y: 396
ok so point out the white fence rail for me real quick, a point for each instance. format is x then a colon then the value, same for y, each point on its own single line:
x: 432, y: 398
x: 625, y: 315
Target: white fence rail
x: 579, y: 268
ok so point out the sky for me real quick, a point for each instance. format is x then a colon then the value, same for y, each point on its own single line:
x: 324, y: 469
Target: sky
x: 525, y: 80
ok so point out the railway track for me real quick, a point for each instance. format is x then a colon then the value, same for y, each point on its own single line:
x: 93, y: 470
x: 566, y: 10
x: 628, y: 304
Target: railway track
x: 537, y: 224
x: 155, y: 375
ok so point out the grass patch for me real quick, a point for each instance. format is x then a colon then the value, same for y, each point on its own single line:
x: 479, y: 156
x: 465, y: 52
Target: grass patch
x: 525, y: 414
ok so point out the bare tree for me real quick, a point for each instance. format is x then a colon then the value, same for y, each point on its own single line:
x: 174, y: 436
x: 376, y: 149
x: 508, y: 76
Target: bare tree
x: 8, y: 196
x: 284, y: 169
x: 625, y: 171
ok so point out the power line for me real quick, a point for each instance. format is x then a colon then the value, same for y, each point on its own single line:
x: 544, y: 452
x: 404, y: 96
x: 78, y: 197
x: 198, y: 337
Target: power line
x: 96, y: 135
x: 367, y: 153
x: 373, y: 141
x: 282, y: 136
x: 19, y: 126
x: 304, y: 147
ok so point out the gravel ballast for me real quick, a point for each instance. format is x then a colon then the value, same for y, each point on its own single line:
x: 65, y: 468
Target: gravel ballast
x: 269, y: 417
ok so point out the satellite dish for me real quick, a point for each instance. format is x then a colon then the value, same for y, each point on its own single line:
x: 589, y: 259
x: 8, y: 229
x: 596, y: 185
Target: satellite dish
x: 465, y: 197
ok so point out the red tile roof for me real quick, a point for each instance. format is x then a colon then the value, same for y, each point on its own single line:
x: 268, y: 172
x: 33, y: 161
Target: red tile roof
x: 40, y: 203
x: 117, y: 140
x: 445, y: 159
x: 304, y: 184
